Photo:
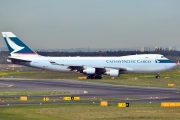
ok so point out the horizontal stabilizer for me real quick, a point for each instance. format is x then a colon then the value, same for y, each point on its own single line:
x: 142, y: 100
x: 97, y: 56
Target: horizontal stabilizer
x: 18, y: 60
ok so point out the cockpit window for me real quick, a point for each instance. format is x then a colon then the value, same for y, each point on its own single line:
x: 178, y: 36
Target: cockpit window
x: 162, y: 57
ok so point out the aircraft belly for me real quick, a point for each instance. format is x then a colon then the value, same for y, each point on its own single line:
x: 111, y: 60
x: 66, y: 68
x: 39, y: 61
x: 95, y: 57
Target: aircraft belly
x: 47, y: 66
x: 153, y: 68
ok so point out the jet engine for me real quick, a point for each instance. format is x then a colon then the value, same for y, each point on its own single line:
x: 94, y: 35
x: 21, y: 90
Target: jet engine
x: 113, y: 73
x: 89, y: 71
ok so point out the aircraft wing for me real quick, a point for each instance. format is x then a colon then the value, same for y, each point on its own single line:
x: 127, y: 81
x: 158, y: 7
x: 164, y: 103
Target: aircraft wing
x: 101, y: 68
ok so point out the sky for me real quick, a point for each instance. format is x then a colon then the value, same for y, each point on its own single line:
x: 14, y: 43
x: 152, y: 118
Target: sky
x: 64, y: 24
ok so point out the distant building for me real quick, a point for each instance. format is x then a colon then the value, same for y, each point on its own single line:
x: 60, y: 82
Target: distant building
x: 171, y: 48
x: 143, y: 49
x: 158, y: 48
x: 166, y: 49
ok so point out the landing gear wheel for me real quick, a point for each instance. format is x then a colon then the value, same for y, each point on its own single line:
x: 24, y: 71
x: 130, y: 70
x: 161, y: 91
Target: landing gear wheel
x: 98, y: 77
x: 94, y: 77
x: 157, y: 77
x: 90, y: 77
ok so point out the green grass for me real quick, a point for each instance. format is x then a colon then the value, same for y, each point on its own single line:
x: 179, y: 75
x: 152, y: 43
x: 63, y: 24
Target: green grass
x: 38, y: 75
x: 31, y: 92
x: 4, y: 94
x: 89, y: 112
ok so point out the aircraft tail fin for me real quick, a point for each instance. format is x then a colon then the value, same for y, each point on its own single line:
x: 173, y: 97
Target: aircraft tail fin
x: 16, y: 46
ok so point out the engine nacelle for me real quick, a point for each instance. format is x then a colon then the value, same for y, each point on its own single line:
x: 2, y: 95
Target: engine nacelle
x: 89, y: 71
x: 113, y: 73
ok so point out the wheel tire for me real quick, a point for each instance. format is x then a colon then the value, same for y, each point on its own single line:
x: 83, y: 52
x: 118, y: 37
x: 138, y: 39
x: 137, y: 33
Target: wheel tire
x: 92, y: 77
x: 157, y: 77
x: 99, y: 77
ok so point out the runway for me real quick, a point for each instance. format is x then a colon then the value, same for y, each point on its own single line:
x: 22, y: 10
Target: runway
x: 131, y: 94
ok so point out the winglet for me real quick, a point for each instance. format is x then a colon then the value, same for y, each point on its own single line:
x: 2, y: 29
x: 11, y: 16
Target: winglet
x: 16, y: 46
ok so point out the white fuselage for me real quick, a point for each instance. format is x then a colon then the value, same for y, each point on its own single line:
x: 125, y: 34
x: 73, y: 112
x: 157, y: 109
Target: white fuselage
x: 145, y: 63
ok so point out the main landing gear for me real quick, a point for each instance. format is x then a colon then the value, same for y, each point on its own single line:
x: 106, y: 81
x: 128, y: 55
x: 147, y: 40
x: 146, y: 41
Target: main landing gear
x: 94, y: 77
x: 157, y: 76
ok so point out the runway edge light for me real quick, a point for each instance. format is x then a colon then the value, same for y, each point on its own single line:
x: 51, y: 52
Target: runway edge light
x: 170, y: 104
x: 76, y: 97
x: 23, y: 98
x: 171, y: 85
x: 66, y: 98
x: 104, y: 103
x: 82, y: 78
x: 46, y: 99
x: 71, y: 98
x: 123, y: 104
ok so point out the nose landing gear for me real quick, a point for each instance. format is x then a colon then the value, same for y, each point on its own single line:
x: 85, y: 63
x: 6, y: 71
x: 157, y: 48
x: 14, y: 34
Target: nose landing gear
x: 157, y: 76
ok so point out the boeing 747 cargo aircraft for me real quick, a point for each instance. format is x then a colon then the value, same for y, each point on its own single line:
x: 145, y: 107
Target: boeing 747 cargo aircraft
x: 93, y: 67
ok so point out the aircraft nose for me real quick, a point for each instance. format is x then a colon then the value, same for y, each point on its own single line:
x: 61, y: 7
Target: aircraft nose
x: 175, y: 64
x: 172, y: 65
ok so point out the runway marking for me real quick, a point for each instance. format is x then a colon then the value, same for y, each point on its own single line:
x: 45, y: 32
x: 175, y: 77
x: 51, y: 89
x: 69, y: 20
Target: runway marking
x: 10, y: 85
x: 7, y: 85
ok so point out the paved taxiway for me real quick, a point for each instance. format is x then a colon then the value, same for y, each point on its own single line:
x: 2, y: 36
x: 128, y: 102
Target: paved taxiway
x: 130, y: 94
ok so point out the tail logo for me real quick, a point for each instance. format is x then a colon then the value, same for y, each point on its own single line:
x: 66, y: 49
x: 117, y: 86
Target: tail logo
x: 13, y: 45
